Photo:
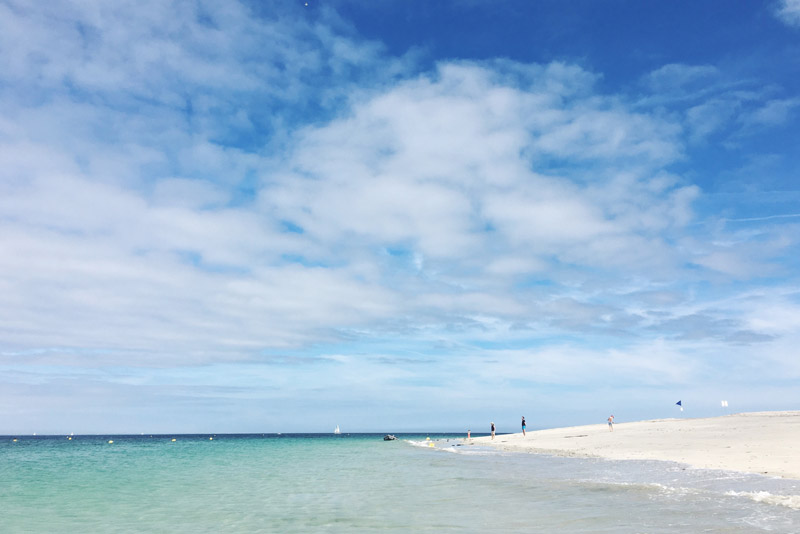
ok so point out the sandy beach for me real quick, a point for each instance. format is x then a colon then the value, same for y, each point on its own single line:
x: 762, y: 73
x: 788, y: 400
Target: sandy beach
x: 765, y: 443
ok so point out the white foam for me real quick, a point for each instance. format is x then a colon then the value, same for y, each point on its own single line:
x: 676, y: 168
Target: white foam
x: 478, y: 451
x: 789, y: 501
x: 444, y: 446
x: 677, y: 490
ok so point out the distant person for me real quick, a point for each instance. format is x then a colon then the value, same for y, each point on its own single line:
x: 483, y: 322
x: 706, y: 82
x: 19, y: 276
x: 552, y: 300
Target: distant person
x: 468, y: 434
x: 610, y: 423
x: 523, y: 426
x: 492, y: 429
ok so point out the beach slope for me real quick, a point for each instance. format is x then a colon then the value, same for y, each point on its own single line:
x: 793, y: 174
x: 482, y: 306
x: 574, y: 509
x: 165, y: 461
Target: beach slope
x: 766, y: 443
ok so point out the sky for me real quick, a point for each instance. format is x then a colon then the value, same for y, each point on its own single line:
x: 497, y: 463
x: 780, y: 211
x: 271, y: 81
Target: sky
x: 392, y: 216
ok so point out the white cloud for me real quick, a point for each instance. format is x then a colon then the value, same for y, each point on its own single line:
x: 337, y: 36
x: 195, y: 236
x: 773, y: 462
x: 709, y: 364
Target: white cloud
x: 433, y: 162
x: 788, y: 11
x: 190, y: 194
x: 482, y: 174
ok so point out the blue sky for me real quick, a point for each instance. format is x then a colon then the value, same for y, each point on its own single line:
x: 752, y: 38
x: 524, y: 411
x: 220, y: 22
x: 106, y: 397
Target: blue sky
x: 394, y: 216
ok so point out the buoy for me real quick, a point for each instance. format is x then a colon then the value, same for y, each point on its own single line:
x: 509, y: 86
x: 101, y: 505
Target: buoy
x: 210, y: 438
x: 15, y: 439
x: 69, y: 438
x: 430, y: 444
x: 173, y: 439
x: 111, y: 441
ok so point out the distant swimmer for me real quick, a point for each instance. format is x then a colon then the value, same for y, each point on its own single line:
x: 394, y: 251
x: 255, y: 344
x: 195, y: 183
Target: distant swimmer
x: 523, y: 426
x: 610, y: 423
x: 492, y: 429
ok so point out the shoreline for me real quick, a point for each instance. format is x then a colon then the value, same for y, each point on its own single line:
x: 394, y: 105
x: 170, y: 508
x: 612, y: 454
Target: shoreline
x: 763, y: 443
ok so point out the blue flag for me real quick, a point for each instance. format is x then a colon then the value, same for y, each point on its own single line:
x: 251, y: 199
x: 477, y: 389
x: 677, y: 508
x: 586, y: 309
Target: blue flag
x: 679, y: 403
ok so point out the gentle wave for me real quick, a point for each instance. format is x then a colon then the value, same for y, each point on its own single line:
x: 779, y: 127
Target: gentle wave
x: 422, y: 443
x: 789, y: 501
x: 688, y: 481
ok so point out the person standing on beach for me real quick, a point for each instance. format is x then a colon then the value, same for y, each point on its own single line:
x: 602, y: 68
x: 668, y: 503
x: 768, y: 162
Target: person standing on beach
x: 523, y: 426
x: 610, y: 423
x: 492, y: 429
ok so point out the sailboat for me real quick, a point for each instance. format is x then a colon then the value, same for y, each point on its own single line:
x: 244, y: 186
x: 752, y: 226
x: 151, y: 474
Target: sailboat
x: 336, y: 430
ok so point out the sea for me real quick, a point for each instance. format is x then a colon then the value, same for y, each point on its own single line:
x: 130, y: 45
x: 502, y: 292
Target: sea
x: 360, y: 483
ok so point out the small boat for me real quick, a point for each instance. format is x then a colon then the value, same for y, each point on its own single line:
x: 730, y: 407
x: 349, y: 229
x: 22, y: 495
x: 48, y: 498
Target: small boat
x: 336, y: 430
x: 389, y: 437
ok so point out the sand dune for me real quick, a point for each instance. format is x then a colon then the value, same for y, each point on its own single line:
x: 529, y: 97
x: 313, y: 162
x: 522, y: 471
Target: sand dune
x: 766, y: 443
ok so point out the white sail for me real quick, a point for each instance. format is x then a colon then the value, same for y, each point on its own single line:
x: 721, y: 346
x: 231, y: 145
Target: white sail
x: 336, y: 430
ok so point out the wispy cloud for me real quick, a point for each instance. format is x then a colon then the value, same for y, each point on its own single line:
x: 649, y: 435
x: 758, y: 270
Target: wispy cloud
x: 680, y: 80
x: 788, y: 11
x: 772, y: 113
x: 765, y: 218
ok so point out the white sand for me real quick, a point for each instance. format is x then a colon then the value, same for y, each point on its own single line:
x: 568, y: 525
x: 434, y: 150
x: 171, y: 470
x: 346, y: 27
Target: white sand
x: 766, y: 443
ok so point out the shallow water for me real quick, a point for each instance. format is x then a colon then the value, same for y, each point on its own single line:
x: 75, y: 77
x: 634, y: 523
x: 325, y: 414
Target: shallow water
x: 359, y: 483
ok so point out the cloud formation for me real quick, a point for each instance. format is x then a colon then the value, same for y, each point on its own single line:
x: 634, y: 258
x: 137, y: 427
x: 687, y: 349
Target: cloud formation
x: 192, y: 186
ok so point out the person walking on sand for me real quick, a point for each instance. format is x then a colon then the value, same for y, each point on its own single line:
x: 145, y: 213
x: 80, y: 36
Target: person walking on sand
x: 492, y: 429
x: 610, y: 423
x: 523, y: 426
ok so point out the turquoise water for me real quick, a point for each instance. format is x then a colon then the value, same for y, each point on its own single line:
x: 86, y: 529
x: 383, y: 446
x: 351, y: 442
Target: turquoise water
x: 359, y: 483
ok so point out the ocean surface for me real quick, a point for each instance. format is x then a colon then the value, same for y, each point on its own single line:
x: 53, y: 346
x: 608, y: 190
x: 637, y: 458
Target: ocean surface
x: 360, y: 483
